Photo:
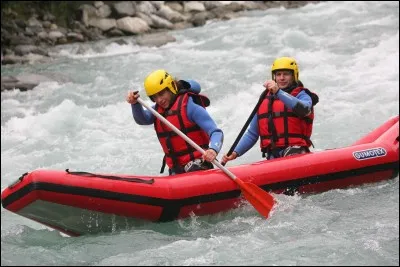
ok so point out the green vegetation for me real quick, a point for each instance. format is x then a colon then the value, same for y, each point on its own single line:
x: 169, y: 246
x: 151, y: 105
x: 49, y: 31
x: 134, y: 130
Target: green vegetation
x: 63, y: 11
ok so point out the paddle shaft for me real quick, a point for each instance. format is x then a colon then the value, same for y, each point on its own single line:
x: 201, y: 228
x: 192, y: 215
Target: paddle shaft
x: 246, y: 124
x: 261, y: 200
x: 187, y: 139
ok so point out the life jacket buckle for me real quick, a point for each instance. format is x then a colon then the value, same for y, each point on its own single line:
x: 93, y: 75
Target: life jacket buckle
x: 293, y: 150
x: 194, y: 165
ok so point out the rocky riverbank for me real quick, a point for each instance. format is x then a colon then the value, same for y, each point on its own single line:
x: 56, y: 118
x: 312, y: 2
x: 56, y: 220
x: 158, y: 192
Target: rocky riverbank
x: 30, y: 37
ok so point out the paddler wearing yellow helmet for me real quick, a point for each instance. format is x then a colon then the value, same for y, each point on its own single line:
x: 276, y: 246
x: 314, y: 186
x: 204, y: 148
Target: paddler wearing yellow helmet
x: 284, y: 115
x: 181, y: 103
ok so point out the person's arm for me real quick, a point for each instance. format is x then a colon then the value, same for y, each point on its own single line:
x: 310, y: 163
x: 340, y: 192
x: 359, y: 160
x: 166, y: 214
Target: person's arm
x: 194, y: 86
x: 249, y: 139
x: 142, y: 116
x: 200, y: 116
x: 301, y: 105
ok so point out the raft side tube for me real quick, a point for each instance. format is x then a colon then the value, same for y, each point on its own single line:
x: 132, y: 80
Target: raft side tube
x: 390, y: 137
x: 379, y: 131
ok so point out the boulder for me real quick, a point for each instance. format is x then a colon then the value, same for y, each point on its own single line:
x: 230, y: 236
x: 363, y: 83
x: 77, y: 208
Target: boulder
x: 155, y: 39
x: 132, y: 25
x: 125, y: 8
x: 103, y: 24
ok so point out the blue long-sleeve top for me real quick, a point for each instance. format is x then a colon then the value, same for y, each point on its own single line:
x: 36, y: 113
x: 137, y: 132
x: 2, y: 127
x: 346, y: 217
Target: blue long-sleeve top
x: 196, y: 114
x: 251, y: 136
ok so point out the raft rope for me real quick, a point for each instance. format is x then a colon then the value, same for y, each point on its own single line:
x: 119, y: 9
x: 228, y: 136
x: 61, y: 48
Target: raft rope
x: 133, y: 180
x: 17, y: 181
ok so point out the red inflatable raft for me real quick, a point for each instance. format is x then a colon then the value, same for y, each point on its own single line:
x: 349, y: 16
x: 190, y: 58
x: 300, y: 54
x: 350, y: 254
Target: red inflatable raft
x: 79, y: 203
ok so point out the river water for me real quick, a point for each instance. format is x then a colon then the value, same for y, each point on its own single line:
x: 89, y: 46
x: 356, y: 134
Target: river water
x: 348, y: 53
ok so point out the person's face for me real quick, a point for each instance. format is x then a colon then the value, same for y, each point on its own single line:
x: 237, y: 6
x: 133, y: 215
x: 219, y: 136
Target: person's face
x: 284, y: 78
x: 163, y: 98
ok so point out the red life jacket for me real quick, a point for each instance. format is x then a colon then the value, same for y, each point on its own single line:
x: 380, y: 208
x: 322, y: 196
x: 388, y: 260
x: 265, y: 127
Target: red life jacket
x: 280, y: 127
x: 177, y: 151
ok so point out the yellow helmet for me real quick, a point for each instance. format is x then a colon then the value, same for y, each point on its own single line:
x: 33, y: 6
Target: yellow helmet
x: 286, y: 63
x: 157, y: 81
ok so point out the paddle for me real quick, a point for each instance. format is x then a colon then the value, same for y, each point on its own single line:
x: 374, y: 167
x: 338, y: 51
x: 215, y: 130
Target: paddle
x: 260, y: 199
x: 246, y: 124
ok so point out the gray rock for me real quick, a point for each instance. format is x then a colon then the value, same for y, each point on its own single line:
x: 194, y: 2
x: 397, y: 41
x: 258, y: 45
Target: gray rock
x: 120, y: 42
x: 174, y: 5
x: 211, y: 4
x: 182, y: 25
x: 193, y: 6
x: 22, y: 50
x: 13, y: 59
x: 231, y: 7
x: 46, y: 24
x: 115, y: 32
x: 20, y: 23
x: 146, y: 7
x: 18, y: 85
x: 49, y: 17
x: 28, y: 81
x: 22, y: 82
x: 53, y: 27
x: 103, y: 24
x: 254, y: 5
x: 125, y: 8
x: 54, y: 35
x: 104, y: 11
x: 146, y: 18
x: 8, y: 79
x: 98, y: 4
x: 75, y: 37
x: 43, y: 35
x: 62, y: 40
x: 27, y: 41
x: 28, y: 32
x: 11, y: 26
x: 33, y: 22
x: 87, y: 12
x: 133, y: 25
x: 21, y: 40
x: 159, y: 22
x: 157, y: 4
x: 200, y: 19
x: 155, y: 39
x: 169, y: 14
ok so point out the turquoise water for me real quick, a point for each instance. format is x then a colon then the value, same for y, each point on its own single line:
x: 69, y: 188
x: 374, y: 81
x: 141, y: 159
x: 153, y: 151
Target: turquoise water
x: 348, y: 53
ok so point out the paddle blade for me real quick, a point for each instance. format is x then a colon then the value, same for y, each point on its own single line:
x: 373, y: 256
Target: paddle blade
x: 261, y: 200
